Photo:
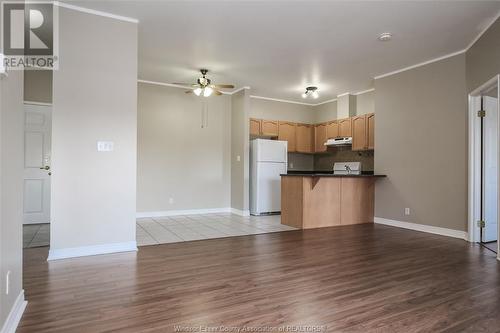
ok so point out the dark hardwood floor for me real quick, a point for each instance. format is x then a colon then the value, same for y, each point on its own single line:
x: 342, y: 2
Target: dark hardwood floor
x: 361, y: 278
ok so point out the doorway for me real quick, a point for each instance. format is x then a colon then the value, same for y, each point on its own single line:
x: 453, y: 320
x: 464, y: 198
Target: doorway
x: 484, y: 161
x: 37, y: 185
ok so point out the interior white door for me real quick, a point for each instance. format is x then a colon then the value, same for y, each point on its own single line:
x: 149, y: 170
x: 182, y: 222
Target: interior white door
x: 490, y: 144
x: 37, y: 157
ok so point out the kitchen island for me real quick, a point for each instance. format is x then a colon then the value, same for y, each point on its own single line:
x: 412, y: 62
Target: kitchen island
x: 316, y: 200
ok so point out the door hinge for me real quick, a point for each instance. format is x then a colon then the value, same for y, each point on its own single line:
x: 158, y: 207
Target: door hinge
x: 481, y: 113
x: 481, y: 224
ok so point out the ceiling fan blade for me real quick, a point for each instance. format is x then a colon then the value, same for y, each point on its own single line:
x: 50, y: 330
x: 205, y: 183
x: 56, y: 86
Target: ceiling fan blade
x: 188, y: 91
x: 222, y: 86
x: 186, y: 84
x: 218, y: 93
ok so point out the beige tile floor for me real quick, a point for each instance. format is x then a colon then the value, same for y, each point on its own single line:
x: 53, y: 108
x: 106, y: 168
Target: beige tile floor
x: 172, y: 229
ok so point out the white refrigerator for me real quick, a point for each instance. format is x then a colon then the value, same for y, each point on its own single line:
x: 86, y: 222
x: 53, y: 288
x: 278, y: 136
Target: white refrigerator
x: 268, y: 159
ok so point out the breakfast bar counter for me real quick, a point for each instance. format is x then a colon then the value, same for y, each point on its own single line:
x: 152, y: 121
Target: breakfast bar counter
x: 315, y: 199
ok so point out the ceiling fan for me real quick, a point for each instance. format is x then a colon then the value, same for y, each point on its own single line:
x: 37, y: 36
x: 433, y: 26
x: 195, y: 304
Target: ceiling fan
x: 204, y: 87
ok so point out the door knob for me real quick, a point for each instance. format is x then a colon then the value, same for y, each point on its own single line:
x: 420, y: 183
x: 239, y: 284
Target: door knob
x: 45, y: 168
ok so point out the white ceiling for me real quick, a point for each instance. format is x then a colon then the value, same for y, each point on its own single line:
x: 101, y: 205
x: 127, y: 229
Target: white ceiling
x: 280, y: 47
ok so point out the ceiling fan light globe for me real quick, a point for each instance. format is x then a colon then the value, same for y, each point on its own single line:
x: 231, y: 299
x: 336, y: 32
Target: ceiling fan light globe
x: 197, y: 91
x: 207, y: 92
x: 304, y: 95
x: 314, y: 94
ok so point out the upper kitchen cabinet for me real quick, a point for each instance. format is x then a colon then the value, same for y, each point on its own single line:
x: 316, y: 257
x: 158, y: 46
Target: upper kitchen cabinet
x: 332, y: 130
x: 359, y: 133
x: 320, y: 137
x: 255, y: 127
x: 305, y: 134
x: 269, y: 128
x: 345, y: 127
x: 287, y: 132
x: 370, y: 128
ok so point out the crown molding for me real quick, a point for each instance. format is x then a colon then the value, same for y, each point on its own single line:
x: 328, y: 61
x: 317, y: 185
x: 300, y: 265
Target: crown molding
x: 364, y: 92
x: 280, y: 100
x: 325, y: 102
x: 95, y: 12
x: 420, y: 64
x: 497, y: 16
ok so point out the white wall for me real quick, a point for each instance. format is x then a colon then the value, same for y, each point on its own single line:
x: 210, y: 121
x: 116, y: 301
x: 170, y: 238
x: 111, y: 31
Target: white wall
x: 11, y: 189
x: 179, y: 159
x: 274, y: 110
x: 95, y: 98
x: 240, y: 147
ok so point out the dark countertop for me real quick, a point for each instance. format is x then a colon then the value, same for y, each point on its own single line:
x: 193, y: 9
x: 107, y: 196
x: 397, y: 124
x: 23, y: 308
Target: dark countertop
x: 364, y: 174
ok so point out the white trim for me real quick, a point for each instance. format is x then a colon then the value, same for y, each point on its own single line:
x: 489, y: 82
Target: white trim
x: 95, y: 12
x: 364, y: 92
x: 280, y: 100
x: 73, y: 252
x: 36, y: 103
x: 344, y: 94
x: 240, y: 212
x: 15, y: 314
x: 483, y: 31
x: 172, y: 85
x: 474, y: 181
x: 183, y: 212
x: 328, y: 101
x: 424, y: 228
x: 420, y: 64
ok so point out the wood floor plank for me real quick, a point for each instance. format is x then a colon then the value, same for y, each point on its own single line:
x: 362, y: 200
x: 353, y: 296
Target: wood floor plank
x: 360, y: 278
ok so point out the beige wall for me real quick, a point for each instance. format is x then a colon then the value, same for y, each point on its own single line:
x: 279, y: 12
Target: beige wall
x: 95, y: 98
x: 240, y: 147
x: 483, y: 58
x: 274, y: 110
x: 38, y: 86
x: 179, y: 159
x: 421, y: 144
x: 11, y: 188
x: 365, y: 103
x: 325, y: 112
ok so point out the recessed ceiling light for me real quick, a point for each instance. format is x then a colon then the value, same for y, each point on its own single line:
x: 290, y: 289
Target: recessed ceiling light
x: 385, y: 36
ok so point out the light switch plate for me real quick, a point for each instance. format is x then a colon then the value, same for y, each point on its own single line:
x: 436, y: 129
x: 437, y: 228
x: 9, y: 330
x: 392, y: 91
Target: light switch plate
x: 238, y: 158
x: 105, y: 145
x: 407, y: 211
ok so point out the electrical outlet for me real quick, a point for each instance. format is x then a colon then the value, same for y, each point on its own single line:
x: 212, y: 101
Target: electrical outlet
x: 407, y: 211
x: 7, y: 283
x: 171, y: 200
x: 105, y: 146
x: 291, y: 165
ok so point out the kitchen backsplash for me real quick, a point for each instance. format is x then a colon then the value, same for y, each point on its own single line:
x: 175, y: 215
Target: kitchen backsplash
x: 324, y: 162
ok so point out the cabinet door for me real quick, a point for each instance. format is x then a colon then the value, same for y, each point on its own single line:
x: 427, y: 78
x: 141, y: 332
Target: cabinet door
x: 332, y: 130
x: 359, y: 135
x: 320, y: 137
x: 269, y: 127
x: 304, y: 138
x: 370, y: 129
x: 255, y: 125
x: 345, y: 129
x: 286, y: 132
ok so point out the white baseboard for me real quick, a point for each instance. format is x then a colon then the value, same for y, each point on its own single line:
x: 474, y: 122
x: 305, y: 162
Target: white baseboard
x: 240, y: 212
x: 183, y: 212
x: 73, y: 252
x: 15, y: 314
x: 424, y: 228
